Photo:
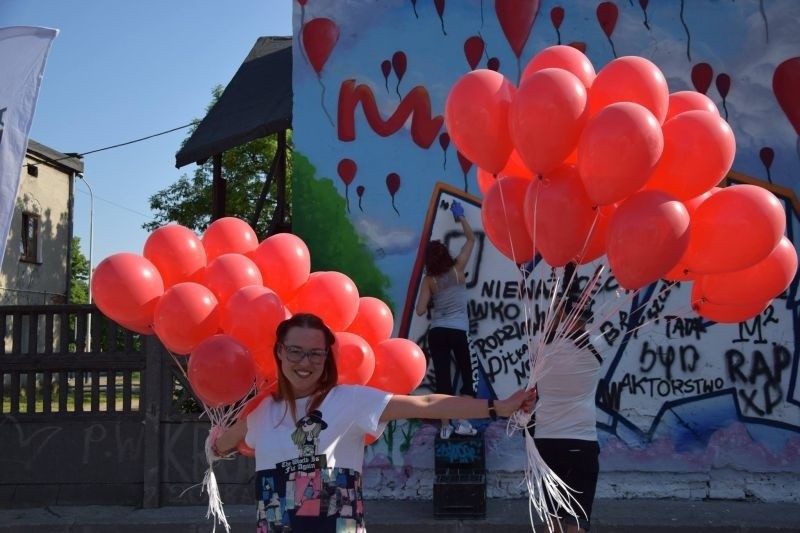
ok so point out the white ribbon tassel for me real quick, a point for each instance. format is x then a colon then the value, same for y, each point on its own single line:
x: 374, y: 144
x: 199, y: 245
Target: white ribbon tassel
x: 209, y: 485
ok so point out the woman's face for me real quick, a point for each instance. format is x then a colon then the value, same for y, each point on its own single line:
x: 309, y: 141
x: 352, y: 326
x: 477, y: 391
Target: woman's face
x: 304, y: 375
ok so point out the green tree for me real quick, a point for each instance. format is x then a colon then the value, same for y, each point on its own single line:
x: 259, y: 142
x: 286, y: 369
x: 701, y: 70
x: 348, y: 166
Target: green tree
x: 244, y: 168
x: 79, y: 282
x: 331, y: 238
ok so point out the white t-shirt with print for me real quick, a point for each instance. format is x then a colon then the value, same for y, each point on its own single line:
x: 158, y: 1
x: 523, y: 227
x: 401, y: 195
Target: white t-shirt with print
x: 308, y: 473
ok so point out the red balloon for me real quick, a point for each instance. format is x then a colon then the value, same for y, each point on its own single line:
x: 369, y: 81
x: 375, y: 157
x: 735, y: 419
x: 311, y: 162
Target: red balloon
x: 503, y: 217
x: 373, y: 322
x: 682, y: 101
x: 733, y: 229
x: 473, y: 50
x: 786, y: 86
x: 596, y: 246
x: 126, y: 287
x: 699, y: 148
x: 723, y: 84
x: 463, y: 162
x: 578, y: 45
x: 138, y: 328
x: 564, y: 57
x: 392, y: 183
x: 252, y: 315
x: 228, y: 235
x: 284, y: 262
x: 516, y: 19
x: 244, y: 450
x: 220, y: 371
x: 680, y: 272
x: 187, y: 314
x: 230, y: 272
x: 177, y: 253
x: 630, y: 79
x: 701, y: 77
x: 400, y: 366
x: 485, y: 180
x: 332, y: 296
x: 386, y: 69
x: 444, y: 141
x: 369, y: 439
x: 399, y: 63
x: 355, y: 360
x: 767, y: 155
x: 264, y: 359
x: 725, y: 314
x: 607, y: 14
x: 647, y: 235
x: 618, y: 150
x: 514, y: 167
x: 558, y: 215
x: 476, y: 115
x: 763, y: 281
x: 319, y: 37
x: 347, y: 170
x: 557, y: 16
x: 546, y: 118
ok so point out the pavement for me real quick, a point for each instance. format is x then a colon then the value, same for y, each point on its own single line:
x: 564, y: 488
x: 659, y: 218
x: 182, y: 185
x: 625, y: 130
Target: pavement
x: 395, y: 516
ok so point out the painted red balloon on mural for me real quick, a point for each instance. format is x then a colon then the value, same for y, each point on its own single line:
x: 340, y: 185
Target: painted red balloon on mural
x: 473, y: 50
x: 347, y: 170
x: 516, y: 19
x: 786, y: 86
x: 607, y: 14
x: 319, y: 38
x: 701, y: 77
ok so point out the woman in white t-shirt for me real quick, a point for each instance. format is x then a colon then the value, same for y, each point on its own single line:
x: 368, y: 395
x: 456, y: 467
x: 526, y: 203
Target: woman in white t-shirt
x: 565, y: 428
x: 309, y: 436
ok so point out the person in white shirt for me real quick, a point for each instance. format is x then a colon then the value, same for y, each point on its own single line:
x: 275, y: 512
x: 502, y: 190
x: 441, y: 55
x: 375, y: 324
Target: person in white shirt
x: 565, y: 425
x: 309, y: 436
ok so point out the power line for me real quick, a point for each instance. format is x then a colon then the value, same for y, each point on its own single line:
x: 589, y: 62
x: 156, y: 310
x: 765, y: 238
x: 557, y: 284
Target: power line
x: 135, y: 140
x: 120, y: 206
x: 71, y: 155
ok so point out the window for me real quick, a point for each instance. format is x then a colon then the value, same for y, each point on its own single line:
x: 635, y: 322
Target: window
x: 30, y: 244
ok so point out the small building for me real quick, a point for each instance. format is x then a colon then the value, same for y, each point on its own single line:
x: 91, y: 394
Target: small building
x: 36, y: 265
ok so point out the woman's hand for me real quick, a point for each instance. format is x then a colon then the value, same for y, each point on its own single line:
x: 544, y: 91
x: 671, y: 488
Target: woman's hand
x: 224, y: 440
x: 522, y: 399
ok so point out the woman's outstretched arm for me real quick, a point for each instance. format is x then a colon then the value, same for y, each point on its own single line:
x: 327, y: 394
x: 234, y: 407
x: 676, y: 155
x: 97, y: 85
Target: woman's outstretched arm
x: 444, y: 406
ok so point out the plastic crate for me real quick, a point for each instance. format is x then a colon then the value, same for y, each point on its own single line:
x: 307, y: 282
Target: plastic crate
x: 459, y: 453
x: 460, y: 494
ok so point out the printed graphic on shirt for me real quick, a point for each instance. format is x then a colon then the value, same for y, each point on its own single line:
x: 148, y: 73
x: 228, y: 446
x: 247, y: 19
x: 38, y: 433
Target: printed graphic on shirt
x: 302, y: 494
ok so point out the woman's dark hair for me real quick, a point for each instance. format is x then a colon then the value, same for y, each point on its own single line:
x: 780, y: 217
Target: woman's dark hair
x: 330, y: 374
x: 438, y: 259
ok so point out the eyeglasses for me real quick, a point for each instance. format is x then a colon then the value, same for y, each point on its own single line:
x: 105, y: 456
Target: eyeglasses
x: 295, y: 354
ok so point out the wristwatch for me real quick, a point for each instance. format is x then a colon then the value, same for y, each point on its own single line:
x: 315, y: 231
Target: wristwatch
x: 492, y: 412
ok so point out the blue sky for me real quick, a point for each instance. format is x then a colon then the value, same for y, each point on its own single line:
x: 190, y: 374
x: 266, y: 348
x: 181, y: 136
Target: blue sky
x: 119, y: 71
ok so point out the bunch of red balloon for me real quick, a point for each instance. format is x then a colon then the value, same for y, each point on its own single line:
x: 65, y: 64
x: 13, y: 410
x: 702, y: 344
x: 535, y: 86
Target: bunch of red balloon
x: 575, y: 165
x: 219, y: 298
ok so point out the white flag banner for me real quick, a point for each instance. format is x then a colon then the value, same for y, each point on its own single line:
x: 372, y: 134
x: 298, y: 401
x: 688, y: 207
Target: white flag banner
x: 23, y: 54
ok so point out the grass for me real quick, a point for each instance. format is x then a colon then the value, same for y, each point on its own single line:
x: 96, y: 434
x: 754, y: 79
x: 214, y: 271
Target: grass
x: 86, y: 386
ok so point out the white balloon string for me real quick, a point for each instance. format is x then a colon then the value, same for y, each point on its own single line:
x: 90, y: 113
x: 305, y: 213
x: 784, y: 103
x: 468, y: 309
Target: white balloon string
x: 221, y: 419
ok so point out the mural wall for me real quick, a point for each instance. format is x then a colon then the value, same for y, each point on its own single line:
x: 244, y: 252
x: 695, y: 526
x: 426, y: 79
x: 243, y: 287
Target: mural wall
x: 711, y: 408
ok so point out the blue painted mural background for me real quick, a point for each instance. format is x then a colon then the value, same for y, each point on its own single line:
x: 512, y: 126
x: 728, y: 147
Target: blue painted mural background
x: 403, y: 53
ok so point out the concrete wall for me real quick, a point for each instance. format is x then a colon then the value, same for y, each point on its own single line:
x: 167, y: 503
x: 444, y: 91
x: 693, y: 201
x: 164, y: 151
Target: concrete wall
x: 687, y: 408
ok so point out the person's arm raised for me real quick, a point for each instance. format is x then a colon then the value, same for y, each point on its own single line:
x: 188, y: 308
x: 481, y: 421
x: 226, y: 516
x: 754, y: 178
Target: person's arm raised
x: 444, y: 406
x: 463, y: 256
